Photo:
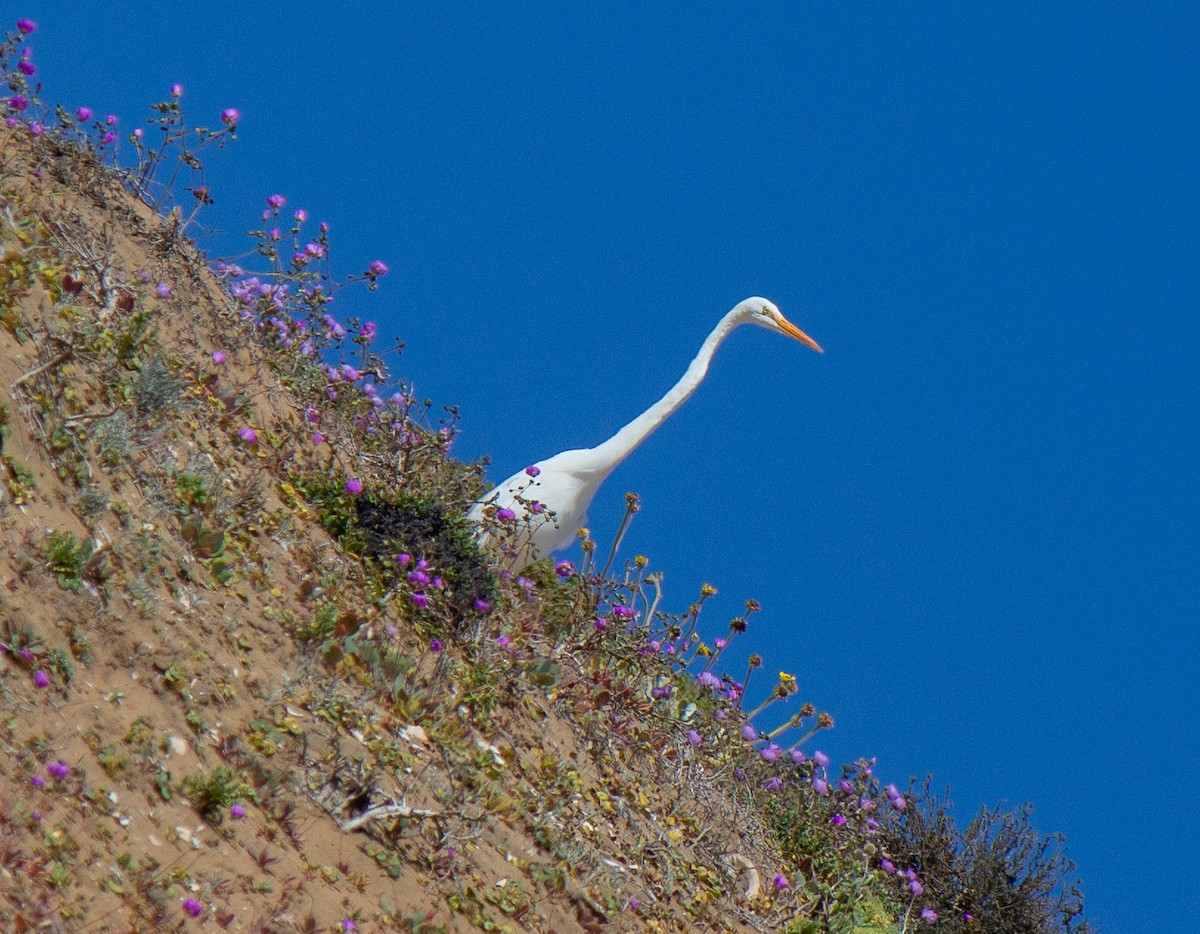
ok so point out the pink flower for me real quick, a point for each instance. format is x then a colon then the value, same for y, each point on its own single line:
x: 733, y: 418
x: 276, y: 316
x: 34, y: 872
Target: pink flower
x: 504, y: 514
x: 354, y: 486
x: 193, y: 907
x: 276, y: 201
x: 301, y: 216
x: 41, y: 679
x: 533, y: 470
x: 248, y: 435
x: 230, y: 116
x: 177, y: 90
x: 377, y: 268
x: 237, y: 812
x: 108, y: 138
x: 162, y: 290
x: 218, y: 357
x: 26, y: 26
x: 111, y: 120
x: 780, y: 881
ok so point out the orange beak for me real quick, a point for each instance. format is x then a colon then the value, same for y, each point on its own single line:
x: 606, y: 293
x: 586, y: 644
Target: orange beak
x: 792, y: 331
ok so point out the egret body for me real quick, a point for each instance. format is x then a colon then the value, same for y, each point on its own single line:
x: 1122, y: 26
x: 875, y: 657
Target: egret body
x: 549, y: 501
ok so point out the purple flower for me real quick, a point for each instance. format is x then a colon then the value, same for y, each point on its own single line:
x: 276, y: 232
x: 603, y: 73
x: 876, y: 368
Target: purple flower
x: 37, y: 781
x: 625, y: 612
x: 26, y: 67
x: 916, y: 888
x: 820, y: 786
x: 18, y: 103
x: 354, y: 486
x: 719, y: 643
x: 694, y: 738
x: 162, y: 290
x: 318, y: 438
x: 564, y: 569
x: 929, y: 916
x: 177, y: 90
x: 600, y: 624
x: 749, y: 733
x: 59, y: 770
x: 376, y: 269
x: 891, y: 791
x: 218, y: 357
x: 435, y: 645
x: 888, y: 866
x: 898, y: 802
x: 249, y: 435
x: 349, y: 925
x: 26, y: 26
x: 111, y: 120
x: 237, y: 812
x: 84, y: 114
x: 482, y: 606
x: 420, y: 601
x: 770, y: 754
x: 404, y: 559
x: 502, y: 641
x: 41, y: 679
x: 846, y: 787
x: 301, y: 216
x: 838, y: 820
x: 773, y: 784
x: 820, y: 758
x: 193, y: 907
x: 36, y: 129
x: 533, y: 470
x: 708, y: 679
x: 276, y: 201
x: 504, y: 514
x: 798, y: 757
x: 418, y: 577
x: 780, y: 881
x: 108, y: 138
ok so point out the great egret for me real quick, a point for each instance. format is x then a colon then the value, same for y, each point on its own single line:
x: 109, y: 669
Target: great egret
x: 548, y: 502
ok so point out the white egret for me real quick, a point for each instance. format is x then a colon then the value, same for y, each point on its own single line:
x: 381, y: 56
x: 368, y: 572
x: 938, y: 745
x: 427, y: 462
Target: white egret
x: 548, y: 502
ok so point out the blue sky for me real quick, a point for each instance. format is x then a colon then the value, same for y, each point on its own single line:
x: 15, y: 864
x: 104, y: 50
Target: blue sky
x: 972, y: 522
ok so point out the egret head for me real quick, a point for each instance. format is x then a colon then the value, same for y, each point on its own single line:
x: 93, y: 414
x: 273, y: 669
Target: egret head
x: 762, y: 311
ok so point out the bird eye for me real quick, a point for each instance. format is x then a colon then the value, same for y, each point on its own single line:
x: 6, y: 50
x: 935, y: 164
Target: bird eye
x: 765, y: 311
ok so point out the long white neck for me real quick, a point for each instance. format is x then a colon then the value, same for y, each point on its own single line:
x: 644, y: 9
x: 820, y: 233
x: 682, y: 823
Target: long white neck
x: 610, y: 453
